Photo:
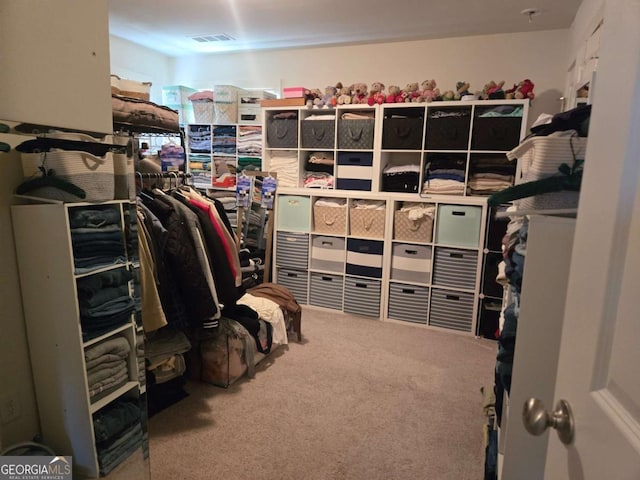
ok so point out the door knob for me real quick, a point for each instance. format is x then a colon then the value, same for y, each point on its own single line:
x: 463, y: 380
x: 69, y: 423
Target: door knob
x: 536, y: 419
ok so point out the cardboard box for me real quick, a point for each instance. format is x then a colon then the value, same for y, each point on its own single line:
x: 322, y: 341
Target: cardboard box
x: 283, y: 102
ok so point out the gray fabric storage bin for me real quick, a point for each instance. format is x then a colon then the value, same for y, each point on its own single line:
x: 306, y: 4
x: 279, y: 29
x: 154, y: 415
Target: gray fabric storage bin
x: 282, y: 133
x: 292, y: 250
x: 356, y: 134
x: 362, y: 296
x: 455, y: 268
x: 452, y: 310
x: 296, y: 281
x: 411, y: 263
x: 326, y: 291
x: 328, y: 253
x: 408, y: 303
x: 318, y: 134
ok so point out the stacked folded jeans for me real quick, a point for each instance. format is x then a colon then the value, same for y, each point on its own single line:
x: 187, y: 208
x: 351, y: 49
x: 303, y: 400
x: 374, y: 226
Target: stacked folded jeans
x: 96, y: 236
x: 104, y: 301
x: 118, y: 433
x: 107, y: 366
x: 142, y: 376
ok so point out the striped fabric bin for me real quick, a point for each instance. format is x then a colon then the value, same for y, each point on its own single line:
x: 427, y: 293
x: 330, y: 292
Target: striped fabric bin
x: 411, y: 263
x: 328, y: 254
x: 354, y: 171
x: 362, y: 296
x: 455, y: 268
x: 364, y: 257
x: 296, y: 281
x: 326, y: 291
x: 292, y: 250
x: 452, y: 310
x: 408, y: 303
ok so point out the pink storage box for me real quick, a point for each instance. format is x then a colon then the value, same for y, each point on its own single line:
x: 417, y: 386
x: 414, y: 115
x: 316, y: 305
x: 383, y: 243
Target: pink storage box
x: 294, y: 92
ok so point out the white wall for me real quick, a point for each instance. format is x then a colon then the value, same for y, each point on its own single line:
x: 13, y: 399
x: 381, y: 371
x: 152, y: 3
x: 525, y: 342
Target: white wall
x: 540, y: 56
x: 54, y: 70
x: 135, y: 62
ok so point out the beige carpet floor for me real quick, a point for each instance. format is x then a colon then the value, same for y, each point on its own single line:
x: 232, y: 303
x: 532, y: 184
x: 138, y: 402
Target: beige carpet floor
x: 357, y: 399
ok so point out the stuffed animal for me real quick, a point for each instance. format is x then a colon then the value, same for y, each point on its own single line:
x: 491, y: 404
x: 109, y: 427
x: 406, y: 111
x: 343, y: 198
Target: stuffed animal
x: 429, y: 91
x: 525, y: 90
x: 462, y: 89
x: 359, y: 93
x: 493, y: 91
x: 510, y: 93
x: 344, y: 95
x: 411, y: 92
x: 448, y: 95
x: 393, y: 94
x: 376, y: 94
x: 312, y: 96
x: 328, y: 99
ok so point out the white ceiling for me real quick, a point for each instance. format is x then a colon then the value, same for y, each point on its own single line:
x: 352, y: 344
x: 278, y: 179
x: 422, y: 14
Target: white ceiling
x: 169, y: 25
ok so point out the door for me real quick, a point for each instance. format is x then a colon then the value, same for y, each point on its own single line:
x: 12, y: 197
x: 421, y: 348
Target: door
x: 600, y: 343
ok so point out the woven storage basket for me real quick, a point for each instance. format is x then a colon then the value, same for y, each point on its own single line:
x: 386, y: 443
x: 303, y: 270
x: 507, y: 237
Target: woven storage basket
x: 95, y: 175
x: 330, y: 220
x: 203, y: 111
x: 408, y: 230
x: 124, y: 171
x: 366, y: 222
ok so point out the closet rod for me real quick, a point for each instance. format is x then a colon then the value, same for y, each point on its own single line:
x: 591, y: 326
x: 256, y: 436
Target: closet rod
x: 163, y: 174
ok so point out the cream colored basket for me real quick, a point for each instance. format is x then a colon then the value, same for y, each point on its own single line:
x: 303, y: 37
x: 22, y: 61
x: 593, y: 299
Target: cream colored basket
x: 330, y: 220
x: 368, y: 223
x: 408, y: 230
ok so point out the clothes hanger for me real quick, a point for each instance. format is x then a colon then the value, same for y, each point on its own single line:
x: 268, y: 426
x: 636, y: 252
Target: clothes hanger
x: 49, y: 179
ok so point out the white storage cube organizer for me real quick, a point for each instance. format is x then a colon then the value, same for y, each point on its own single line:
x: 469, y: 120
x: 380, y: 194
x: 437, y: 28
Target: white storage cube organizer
x: 540, y: 158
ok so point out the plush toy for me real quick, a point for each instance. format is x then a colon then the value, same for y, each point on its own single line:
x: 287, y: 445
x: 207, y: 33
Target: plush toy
x: 359, y: 93
x: 462, y: 89
x: 525, y: 90
x: 411, y: 92
x: 510, y: 93
x: 493, y: 91
x: 376, y: 94
x: 448, y: 95
x: 343, y: 94
x: 429, y: 91
x: 328, y: 99
x: 393, y: 94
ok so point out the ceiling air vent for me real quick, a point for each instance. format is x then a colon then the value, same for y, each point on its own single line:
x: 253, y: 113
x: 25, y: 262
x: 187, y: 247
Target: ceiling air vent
x: 221, y: 37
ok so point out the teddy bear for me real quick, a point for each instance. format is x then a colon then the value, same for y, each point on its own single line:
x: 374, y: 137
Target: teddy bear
x: 312, y: 96
x: 525, y: 90
x: 393, y: 94
x: 448, y: 95
x: 411, y: 93
x: 343, y: 94
x: 359, y: 93
x: 493, y: 91
x: 328, y: 99
x: 429, y: 91
x: 462, y: 89
x: 376, y: 94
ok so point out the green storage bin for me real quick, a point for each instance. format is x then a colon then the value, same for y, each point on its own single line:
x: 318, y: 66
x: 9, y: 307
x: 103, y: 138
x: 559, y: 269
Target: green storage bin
x: 459, y: 225
x: 294, y: 213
